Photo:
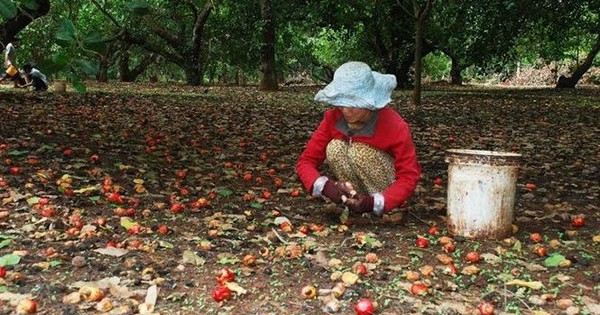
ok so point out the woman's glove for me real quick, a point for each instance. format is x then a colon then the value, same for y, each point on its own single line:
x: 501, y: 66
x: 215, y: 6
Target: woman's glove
x: 334, y: 191
x: 360, y: 204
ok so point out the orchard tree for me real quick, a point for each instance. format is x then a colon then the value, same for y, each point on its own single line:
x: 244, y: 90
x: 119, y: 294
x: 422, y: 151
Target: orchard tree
x: 420, y: 13
x: 267, y: 67
x: 380, y: 33
x: 475, y: 32
x: 171, y: 29
x: 575, y: 26
x: 15, y: 17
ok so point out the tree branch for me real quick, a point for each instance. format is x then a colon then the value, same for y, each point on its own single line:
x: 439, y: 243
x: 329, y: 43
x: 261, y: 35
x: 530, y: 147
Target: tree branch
x: 107, y: 14
x: 199, y: 25
x: 10, y: 28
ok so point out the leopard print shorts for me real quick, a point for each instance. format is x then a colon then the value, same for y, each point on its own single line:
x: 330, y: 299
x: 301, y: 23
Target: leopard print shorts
x: 368, y: 169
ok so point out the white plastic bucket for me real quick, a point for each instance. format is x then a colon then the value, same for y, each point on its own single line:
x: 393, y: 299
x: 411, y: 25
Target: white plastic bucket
x: 481, y: 192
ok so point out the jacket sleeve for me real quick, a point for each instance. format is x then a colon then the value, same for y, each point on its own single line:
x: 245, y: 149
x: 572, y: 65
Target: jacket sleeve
x: 313, y: 156
x: 407, y: 169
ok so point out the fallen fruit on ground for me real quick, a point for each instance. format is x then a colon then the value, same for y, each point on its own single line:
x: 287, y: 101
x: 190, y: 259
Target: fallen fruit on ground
x: 422, y: 242
x: 221, y: 293
x: 201, y: 132
x: 486, y: 308
x: 535, y: 237
x: 364, y: 306
x: 419, y: 288
x: 27, y: 306
x: 308, y: 292
x: 225, y: 275
x: 578, y: 221
x: 472, y: 257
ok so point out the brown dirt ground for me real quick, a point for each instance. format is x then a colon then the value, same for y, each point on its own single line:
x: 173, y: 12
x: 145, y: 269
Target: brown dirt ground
x: 202, y: 129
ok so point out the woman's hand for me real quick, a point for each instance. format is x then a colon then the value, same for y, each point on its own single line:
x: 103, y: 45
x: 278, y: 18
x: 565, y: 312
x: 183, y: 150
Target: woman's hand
x: 337, y: 192
x: 360, y: 204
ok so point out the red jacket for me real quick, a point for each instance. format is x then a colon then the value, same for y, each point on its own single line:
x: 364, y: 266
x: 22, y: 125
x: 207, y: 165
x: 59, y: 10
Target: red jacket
x: 391, y: 135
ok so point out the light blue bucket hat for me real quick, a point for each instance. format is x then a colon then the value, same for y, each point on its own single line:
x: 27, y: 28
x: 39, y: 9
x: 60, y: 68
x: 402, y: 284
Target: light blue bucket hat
x: 356, y: 85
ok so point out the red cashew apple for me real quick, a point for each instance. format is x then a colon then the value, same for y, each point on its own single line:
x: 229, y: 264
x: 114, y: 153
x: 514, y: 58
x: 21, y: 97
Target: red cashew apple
x: 419, y: 288
x: 15, y: 170
x: 360, y: 269
x: 225, y: 275
x: 578, y: 221
x: 434, y: 230
x: 486, y: 308
x: 364, y: 306
x: 540, y: 251
x: 27, y: 306
x: 472, y: 257
x: 221, y: 293
x: 449, y: 247
x: 535, y: 237
x: 422, y: 242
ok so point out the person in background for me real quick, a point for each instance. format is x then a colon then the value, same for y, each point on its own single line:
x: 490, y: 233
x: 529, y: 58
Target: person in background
x: 10, y: 63
x: 366, y: 145
x: 35, y: 78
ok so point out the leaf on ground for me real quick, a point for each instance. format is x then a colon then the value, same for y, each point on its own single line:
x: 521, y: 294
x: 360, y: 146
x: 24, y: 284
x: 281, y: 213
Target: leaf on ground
x: 86, y: 189
x: 13, y: 298
x: 490, y: 258
x: 123, y: 292
x: 277, y: 221
x: 5, y: 243
x: 554, y: 260
x: 227, y: 259
x: 349, y: 278
x: 150, y: 301
x: 32, y: 200
x: 165, y: 244
x: 127, y: 223
x: 534, y: 285
x: 320, y: 258
x: 225, y: 192
x: 9, y: 260
x: 189, y: 257
x: 234, y: 286
x: 112, y: 251
x: 103, y: 283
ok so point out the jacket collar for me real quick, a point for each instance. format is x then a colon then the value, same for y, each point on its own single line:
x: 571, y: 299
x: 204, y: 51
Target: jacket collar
x: 368, y: 130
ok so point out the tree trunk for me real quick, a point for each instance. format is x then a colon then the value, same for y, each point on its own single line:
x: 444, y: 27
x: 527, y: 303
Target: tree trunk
x: 455, y: 70
x: 102, y: 75
x: 177, y: 49
x: 193, y: 74
x: 10, y: 28
x: 571, y: 82
x: 416, y: 96
x: 421, y: 14
x: 402, y: 73
x: 124, y: 63
x: 142, y: 66
x: 269, y: 78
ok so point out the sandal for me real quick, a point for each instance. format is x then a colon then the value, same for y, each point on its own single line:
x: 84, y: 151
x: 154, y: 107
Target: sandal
x: 396, y: 216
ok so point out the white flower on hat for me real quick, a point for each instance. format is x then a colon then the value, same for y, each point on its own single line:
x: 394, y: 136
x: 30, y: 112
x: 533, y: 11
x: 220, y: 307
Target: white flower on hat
x: 356, y: 85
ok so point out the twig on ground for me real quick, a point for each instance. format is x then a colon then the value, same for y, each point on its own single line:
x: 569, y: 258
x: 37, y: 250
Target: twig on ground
x: 344, y: 241
x: 279, y: 237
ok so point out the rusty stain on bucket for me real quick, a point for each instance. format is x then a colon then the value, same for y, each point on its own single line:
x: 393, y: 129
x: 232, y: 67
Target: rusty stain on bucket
x: 481, y: 192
